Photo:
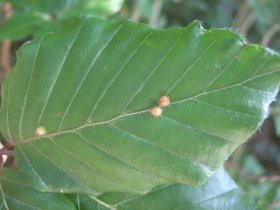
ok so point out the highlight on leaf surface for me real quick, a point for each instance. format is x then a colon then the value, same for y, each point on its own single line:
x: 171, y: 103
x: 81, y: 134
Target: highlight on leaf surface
x: 92, y: 86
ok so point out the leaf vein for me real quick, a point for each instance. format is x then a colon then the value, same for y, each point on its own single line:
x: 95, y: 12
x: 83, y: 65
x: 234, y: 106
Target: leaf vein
x: 57, y: 166
x: 151, y: 74
x: 220, y: 73
x: 14, y: 182
x: 225, y: 109
x: 28, y: 86
x: 23, y: 203
x: 226, y: 87
x: 87, y: 73
x: 203, y: 201
x: 118, y: 73
x: 31, y: 167
x: 94, y: 169
x: 116, y: 158
x: 143, y: 111
x: 59, y: 72
x: 3, y: 198
x: 198, y: 129
x: 191, y: 66
x: 138, y: 138
x: 7, y: 114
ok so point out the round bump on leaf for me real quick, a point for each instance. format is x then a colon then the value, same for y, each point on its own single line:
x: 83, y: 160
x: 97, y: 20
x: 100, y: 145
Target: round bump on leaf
x: 164, y: 101
x: 156, y: 111
x: 40, y: 131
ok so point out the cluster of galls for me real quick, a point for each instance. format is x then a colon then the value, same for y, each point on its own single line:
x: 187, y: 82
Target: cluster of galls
x: 157, y: 110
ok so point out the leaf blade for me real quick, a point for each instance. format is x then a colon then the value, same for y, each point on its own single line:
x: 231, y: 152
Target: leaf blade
x: 93, y: 99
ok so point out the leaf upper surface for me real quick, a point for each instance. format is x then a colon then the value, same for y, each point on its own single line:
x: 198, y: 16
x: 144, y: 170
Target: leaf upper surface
x: 91, y: 86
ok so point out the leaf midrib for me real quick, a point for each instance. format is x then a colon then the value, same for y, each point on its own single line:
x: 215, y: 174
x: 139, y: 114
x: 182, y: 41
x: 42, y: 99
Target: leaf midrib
x: 89, y: 124
x: 26, y: 140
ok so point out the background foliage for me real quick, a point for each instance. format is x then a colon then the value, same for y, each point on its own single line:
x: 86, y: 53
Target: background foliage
x: 256, y: 165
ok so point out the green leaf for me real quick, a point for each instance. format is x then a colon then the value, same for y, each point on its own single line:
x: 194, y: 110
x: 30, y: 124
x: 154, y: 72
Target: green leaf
x: 84, y: 202
x: 99, y: 8
x: 220, y: 192
x: 77, y: 104
x: 54, y: 6
x: 20, y: 25
x: 58, y: 8
x: 18, y: 194
x: 35, y: 18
